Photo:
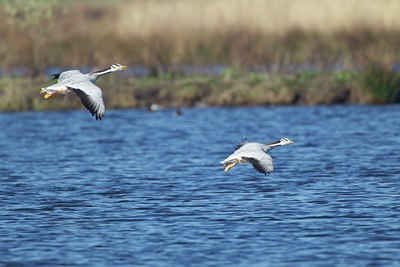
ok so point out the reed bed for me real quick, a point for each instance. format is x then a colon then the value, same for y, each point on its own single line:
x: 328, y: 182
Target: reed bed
x: 164, y: 33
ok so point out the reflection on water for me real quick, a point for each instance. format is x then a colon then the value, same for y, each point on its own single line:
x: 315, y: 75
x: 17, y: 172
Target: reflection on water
x: 142, y: 188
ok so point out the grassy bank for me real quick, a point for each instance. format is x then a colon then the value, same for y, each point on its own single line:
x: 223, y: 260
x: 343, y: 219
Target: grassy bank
x: 232, y: 88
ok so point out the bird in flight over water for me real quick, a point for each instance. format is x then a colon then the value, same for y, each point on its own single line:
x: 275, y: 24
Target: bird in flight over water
x: 254, y: 153
x: 83, y: 85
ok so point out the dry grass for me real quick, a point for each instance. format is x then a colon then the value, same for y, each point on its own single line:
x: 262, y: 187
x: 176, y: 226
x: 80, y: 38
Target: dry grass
x: 147, y: 17
x: 161, y: 34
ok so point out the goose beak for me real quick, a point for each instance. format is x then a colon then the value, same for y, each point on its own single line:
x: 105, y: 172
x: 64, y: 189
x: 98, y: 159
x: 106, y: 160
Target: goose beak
x: 123, y: 67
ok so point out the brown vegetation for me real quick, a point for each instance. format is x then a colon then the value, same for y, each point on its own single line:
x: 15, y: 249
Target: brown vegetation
x: 351, y: 46
x: 161, y: 34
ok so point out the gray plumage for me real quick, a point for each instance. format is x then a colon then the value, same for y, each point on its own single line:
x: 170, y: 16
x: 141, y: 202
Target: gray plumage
x: 255, y: 154
x: 73, y: 81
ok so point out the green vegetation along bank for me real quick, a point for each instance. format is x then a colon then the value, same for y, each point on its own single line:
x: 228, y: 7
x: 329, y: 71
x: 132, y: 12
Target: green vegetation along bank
x: 376, y: 85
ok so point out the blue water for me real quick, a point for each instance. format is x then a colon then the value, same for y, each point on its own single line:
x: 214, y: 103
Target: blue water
x: 146, y: 189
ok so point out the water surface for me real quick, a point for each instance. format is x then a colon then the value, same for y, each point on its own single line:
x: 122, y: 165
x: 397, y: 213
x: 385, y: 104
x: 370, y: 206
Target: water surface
x: 140, y: 188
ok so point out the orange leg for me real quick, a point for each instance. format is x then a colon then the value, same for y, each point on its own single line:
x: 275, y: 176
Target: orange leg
x: 47, y: 95
x: 230, y: 166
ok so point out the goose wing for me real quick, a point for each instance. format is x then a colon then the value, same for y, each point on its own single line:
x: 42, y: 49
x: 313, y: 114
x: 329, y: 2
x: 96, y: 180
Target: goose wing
x: 261, y: 161
x: 91, y: 97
